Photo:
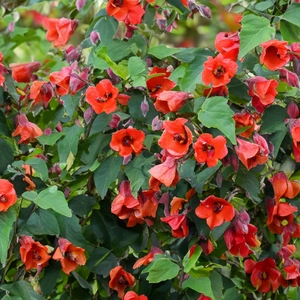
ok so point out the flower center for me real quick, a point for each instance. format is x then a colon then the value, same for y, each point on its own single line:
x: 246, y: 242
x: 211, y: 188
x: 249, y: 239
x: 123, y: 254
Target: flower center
x: 263, y: 276
x: 181, y: 138
x: 217, y: 207
x: 219, y: 71
x: 118, y: 3
x: 122, y: 280
x: 36, y: 255
x: 127, y: 140
x: 207, y: 147
x: 70, y: 256
x: 3, y: 199
x: 155, y: 89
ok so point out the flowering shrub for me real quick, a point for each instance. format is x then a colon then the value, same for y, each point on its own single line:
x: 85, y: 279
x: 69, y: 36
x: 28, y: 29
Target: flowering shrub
x: 149, y: 149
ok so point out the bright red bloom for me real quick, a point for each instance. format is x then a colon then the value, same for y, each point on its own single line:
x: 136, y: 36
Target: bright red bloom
x: 263, y: 89
x: 252, y: 154
x: 295, y: 132
x: 218, y: 71
x: 33, y: 254
x: 69, y: 79
x: 206, y: 244
x: 59, y: 31
x: 215, y: 210
x: 159, y: 83
x: 102, y: 97
x: 209, y: 149
x: 265, y: 276
x: 176, y: 137
x: 170, y: 101
x: 203, y: 297
x: 70, y: 256
x: 245, y: 119
x: 178, y: 223
x: 216, y: 91
x: 134, y: 296
x: 27, y: 130
x: 283, y: 187
x: 228, y: 44
x: 120, y: 280
x: 8, y: 196
x: 241, y: 235
x: 41, y: 92
x: 274, y: 54
x: 24, y: 72
x: 128, y: 11
x: 128, y: 140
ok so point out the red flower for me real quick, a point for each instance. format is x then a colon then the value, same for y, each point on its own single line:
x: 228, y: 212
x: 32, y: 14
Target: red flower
x: 264, y: 274
x: 209, y: 149
x: 215, y: 210
x: 228, y: 44
x: 178, y: 223
x: 159, y: 83
x: 24, y: 72
x: 70, y: 256
x: 27, y: 130
x: 146, y: 260
x: 241, y: 235
x: 8, y: 196
x: 69, y: 79
x: 283, y: 187
x: 203, y: 297
x: 41, y: 92
x: 128, y: 11
x: 33, y: 254
x: 251, y: 154
x: 263, y: 89
x: 102, y: 97
x: 206, y: 245
x: 170, y: 101
x: 245, y: 119
x: 295, y: 132
x: 126, y: 141
x: 133, y: 296
x: 120, y: 280
x: 59, y: 31
x: 176, y: 137
x: 216, y: 91
x: 218, y: 71
x: 274, y: 54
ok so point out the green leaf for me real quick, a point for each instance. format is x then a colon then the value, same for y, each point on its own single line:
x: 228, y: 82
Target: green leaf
x: 11, y: 88
x: 292, y: 14
x: 6, y: 224
x: 6, y: 156
x: 107, y: 28
x: 136, y: 66
x: 50, y: 198
x: 107, y: 173
x: 22, y: 289
x: 216, y: 283
x: 81, y: 205
x: 82, y: 282
x: 136, y: 178
x: 289, y: 31
x: 255, y: 30
x: 190, y: 262
x: 203, y: 176
x: 273, y: 119
x: 200, y: 285
x: 39, y: 166
x: 216, y: 113
x: 163, y: 51
x: 161, y: 270
x: 50, y: 139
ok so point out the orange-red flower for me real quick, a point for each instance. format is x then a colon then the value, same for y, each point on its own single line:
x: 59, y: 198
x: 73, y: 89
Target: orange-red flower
x: 283, y: 187
x: 265, y: 276
x: 218, y: 71
x: 33, y: 254
x: 120, y: 280
x: 215, y: 210
x: 209, y: 149
x: 147, y: 259
x: 176, y: 137
x: 170, y: 101
x: 245, y: 119
x: 8, y: 196
x: 69, y: 256
x: 274, y: 54
x: 159, y: 83
x: 41, y: 92
x: 178, y: 223
x: 263, y: 89
x: 252, y: 154
x: 228, y: 44
x: 128, y: 11
x: 59, y: 31
x: 134, y: 296
x: 216, y: 91
x: 203, y: 297
x: 295, y: 132
x: 102, y: 97
x: 128, y: 140
x: 27, y: 130
x: 24, y: 72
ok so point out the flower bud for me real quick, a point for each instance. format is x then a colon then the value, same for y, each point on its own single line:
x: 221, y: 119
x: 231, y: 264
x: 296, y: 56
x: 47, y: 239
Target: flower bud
x: 145, y: 107
x: 95, y: 37
x: 293, y: 110
x: 80, y: 4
